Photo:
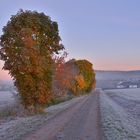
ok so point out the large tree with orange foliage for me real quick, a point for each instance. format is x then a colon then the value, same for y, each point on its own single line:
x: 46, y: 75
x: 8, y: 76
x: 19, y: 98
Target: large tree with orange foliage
x: 28, y: 42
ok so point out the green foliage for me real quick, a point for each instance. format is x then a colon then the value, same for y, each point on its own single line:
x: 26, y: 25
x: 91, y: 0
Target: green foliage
x: 85, y: 68
x: 28, y: 42
x: 78, y: 85
x: 84, y: 80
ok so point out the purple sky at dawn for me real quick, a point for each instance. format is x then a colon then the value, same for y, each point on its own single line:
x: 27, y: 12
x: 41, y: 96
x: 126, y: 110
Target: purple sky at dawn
x: 106, y: 32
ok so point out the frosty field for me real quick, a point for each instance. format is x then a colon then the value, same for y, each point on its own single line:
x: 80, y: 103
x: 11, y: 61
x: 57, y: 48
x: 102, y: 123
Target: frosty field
x: 6, y: 98
x: 120, y: 115
x: 6, y: 93
x: 120, y: 110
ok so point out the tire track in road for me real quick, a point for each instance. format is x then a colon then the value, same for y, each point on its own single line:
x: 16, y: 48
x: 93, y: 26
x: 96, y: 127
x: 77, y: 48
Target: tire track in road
x: 79, y: 122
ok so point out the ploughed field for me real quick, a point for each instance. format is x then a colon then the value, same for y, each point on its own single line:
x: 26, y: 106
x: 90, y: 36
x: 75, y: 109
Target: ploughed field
x: 120, y: 111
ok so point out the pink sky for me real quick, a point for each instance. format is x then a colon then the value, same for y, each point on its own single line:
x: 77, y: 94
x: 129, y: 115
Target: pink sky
x: 119, y: 68
x: 4, y: 75
x: 110, y: 65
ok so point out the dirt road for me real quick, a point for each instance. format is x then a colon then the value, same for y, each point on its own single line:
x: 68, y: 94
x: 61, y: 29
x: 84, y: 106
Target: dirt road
x: 79, y: 122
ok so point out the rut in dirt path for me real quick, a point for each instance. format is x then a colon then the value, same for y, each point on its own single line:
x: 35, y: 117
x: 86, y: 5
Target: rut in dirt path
x: 79, y: 122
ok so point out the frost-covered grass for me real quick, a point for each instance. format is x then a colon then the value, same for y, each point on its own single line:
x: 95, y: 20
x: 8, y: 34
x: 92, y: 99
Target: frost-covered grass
x: 6, y: 97
x: 130, y: 94
x: 121, y: 114
x: 9, y: 105
x: 20, y: 126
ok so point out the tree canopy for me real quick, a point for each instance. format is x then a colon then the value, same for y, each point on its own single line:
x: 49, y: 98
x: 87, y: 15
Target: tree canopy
x: 86, y: 69
x: 83, y: 76
x: 28, y: 42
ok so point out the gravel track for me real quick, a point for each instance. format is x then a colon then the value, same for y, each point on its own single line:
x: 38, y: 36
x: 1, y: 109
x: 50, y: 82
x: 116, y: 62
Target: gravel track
x: 79, y: 122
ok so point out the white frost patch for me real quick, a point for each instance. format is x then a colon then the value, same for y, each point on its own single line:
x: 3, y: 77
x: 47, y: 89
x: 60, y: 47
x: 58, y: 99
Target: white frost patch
x: 117, y: 123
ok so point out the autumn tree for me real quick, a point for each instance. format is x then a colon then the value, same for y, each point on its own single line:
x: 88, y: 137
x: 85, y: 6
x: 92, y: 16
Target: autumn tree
x: 62, y: 75
x: 78, y: 85
x: 86, y: 69
x: 28, y: 42
x: 84, y: 77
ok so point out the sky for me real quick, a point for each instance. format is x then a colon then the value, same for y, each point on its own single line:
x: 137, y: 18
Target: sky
x: 106, y: 32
